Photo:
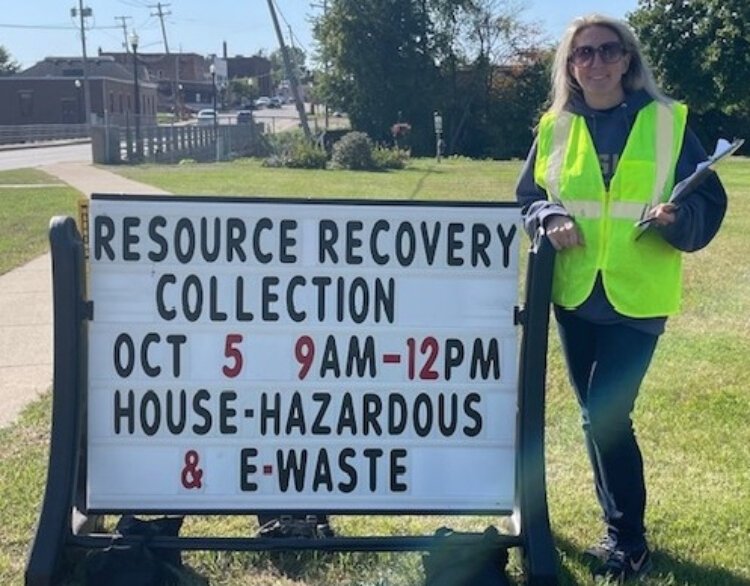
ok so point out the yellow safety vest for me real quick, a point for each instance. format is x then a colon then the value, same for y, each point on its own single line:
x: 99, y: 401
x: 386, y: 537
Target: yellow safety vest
x: 642, y: 278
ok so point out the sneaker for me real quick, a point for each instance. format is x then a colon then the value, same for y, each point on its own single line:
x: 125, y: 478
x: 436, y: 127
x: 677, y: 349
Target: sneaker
x: 602, y: 550
x: 622, y: 566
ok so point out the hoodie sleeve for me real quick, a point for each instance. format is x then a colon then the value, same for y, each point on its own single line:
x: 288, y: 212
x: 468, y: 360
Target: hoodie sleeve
x: 535, y: 207
x: 701, y: 212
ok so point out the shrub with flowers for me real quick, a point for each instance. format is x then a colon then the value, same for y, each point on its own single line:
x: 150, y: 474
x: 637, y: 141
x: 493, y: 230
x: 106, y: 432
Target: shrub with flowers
x: 400, y: 131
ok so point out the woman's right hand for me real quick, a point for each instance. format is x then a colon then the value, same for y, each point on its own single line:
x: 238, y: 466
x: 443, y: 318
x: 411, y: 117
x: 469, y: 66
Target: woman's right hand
x: 563, y: 232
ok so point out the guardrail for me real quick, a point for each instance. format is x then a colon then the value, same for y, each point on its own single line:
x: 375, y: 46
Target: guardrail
x: 19, y: 134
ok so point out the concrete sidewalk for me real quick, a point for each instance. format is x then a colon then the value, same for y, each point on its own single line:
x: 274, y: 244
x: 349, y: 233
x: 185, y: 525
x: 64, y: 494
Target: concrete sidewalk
x: 26, y: 301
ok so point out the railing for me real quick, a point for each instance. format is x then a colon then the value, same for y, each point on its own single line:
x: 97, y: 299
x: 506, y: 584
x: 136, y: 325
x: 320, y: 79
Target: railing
x: 171, y: 144
x: 41, y: 132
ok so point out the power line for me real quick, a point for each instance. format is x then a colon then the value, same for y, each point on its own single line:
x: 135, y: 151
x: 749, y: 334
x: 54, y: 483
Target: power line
x: 289, y: 26
x: 54, y: 27
x: 62, y: 27
x: 39, y: 26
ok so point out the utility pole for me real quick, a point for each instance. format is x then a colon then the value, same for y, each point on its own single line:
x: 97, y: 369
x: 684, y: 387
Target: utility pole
x: 124, y: 25
x: 82, y: 13
x: 161, y: 14
x: 325, y: 65
x: 176, y: 87
x: 290, y: 74
x: 324, y: 6
x: 137, y: 101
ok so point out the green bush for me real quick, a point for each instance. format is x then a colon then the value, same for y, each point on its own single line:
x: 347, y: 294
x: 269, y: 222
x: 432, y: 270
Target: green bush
x: 293, y: 150
x: 281, y: 143
x: 353, y: 151
x: 305, y: 155
x: 385, y: 158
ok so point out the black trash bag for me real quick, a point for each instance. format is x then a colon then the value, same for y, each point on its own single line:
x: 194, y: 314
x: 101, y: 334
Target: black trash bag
x: 479, y: 564
x: 163, y: 526
x: 125, y: 566
x: 307, y: 526
x: 137, y: 564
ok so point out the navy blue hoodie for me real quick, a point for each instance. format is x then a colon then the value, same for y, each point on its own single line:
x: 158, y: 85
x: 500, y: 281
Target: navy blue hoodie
x: 698, y: 216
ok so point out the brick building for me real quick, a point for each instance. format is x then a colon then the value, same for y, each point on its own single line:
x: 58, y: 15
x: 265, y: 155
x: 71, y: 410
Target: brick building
x: 52, y: 92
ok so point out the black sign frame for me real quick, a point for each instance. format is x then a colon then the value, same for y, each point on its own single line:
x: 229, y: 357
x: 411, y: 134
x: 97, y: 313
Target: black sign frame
x: 63, y: 522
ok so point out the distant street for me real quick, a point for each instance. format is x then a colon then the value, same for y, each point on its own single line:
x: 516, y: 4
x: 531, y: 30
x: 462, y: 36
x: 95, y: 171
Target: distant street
x: 37, y: 157
x: 278, y: 119
x: 275, y: 120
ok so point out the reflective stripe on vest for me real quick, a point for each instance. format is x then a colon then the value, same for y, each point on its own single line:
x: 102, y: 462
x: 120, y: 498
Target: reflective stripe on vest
x: 643, y: 278
x: 624, y: 210
x: 559, y: 142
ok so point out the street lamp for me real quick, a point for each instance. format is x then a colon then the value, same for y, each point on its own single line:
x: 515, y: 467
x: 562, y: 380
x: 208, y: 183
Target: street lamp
x: 137, y: 105
x: 79, y: 116
x: 212, y: 69
x: 180, y: 101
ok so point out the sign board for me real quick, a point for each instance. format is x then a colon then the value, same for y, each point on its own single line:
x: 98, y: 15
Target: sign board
x: 257, y: 354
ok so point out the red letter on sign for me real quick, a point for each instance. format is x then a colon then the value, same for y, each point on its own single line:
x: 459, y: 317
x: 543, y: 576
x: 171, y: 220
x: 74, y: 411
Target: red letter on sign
x: 304, y: 352
x: 232, y: 351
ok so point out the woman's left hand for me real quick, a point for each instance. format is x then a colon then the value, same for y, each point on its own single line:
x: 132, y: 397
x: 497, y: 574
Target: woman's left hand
x: 663, y: 214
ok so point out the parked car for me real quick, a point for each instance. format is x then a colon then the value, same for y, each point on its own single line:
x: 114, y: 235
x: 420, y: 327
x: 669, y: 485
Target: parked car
x: 262, y: 102
x: 274, y: 103
x: 206, y: 117
x: 244, y: 117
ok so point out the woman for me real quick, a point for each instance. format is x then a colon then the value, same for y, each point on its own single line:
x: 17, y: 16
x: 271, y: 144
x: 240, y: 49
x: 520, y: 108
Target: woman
x: 607, y: 155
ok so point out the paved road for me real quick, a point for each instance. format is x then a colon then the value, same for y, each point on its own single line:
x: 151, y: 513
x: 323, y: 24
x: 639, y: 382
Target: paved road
x: 39, y: 156
x: 20, y: 157
x: 278, y: 119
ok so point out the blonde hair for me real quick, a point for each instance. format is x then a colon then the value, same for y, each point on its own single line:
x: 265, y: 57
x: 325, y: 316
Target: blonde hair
x: 638, y: 76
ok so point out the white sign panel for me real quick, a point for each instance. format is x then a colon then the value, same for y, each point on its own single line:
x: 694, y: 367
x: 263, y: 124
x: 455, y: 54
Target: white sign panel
x: 252, y: 355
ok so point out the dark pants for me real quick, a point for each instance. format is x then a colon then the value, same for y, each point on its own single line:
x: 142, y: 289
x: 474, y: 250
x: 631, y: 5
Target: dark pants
x: 606, y: 364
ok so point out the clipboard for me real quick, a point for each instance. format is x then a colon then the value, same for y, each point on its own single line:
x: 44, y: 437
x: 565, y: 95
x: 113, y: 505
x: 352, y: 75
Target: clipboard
x: 722, y: 150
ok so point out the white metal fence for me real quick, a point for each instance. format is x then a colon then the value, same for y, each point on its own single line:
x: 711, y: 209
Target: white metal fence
x: 28, y: 133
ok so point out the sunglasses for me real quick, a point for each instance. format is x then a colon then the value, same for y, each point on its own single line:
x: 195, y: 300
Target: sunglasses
x: 610, y: 52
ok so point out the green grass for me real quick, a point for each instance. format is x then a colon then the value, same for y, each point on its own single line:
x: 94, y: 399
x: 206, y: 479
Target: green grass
x: 23, y: 468
x: 26, y: 177
x: 25, y: 213
x: 692, y: 417
x: 450, y: 179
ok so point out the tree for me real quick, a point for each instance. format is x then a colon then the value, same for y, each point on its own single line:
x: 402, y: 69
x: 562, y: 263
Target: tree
x: 242, y: 91
x: 278, y: 71
x: 379, y: 68
x: 700, y: 50
x: 391, y: 61
x: 492, y: 57
x: 7, y: 65
x: 518, y: 97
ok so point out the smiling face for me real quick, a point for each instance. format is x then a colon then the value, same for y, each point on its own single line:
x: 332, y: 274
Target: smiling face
x: 601, y: 81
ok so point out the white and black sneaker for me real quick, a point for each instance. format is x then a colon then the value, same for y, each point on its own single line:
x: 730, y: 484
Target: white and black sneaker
x: 602, y: 550
x: 625, y: 566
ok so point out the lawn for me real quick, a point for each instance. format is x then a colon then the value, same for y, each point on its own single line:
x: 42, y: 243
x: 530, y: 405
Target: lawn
x: 424, y: 179
x: 692, y: 418
x: 28, y: 199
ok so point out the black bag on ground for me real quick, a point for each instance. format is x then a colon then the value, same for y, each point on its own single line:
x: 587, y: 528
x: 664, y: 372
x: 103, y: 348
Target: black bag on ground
x: 300, y: 525
x: 480, y: 564
x: 138, y: 564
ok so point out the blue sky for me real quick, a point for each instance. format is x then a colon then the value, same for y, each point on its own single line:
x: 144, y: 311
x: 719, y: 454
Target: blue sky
x: 33, y: 29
